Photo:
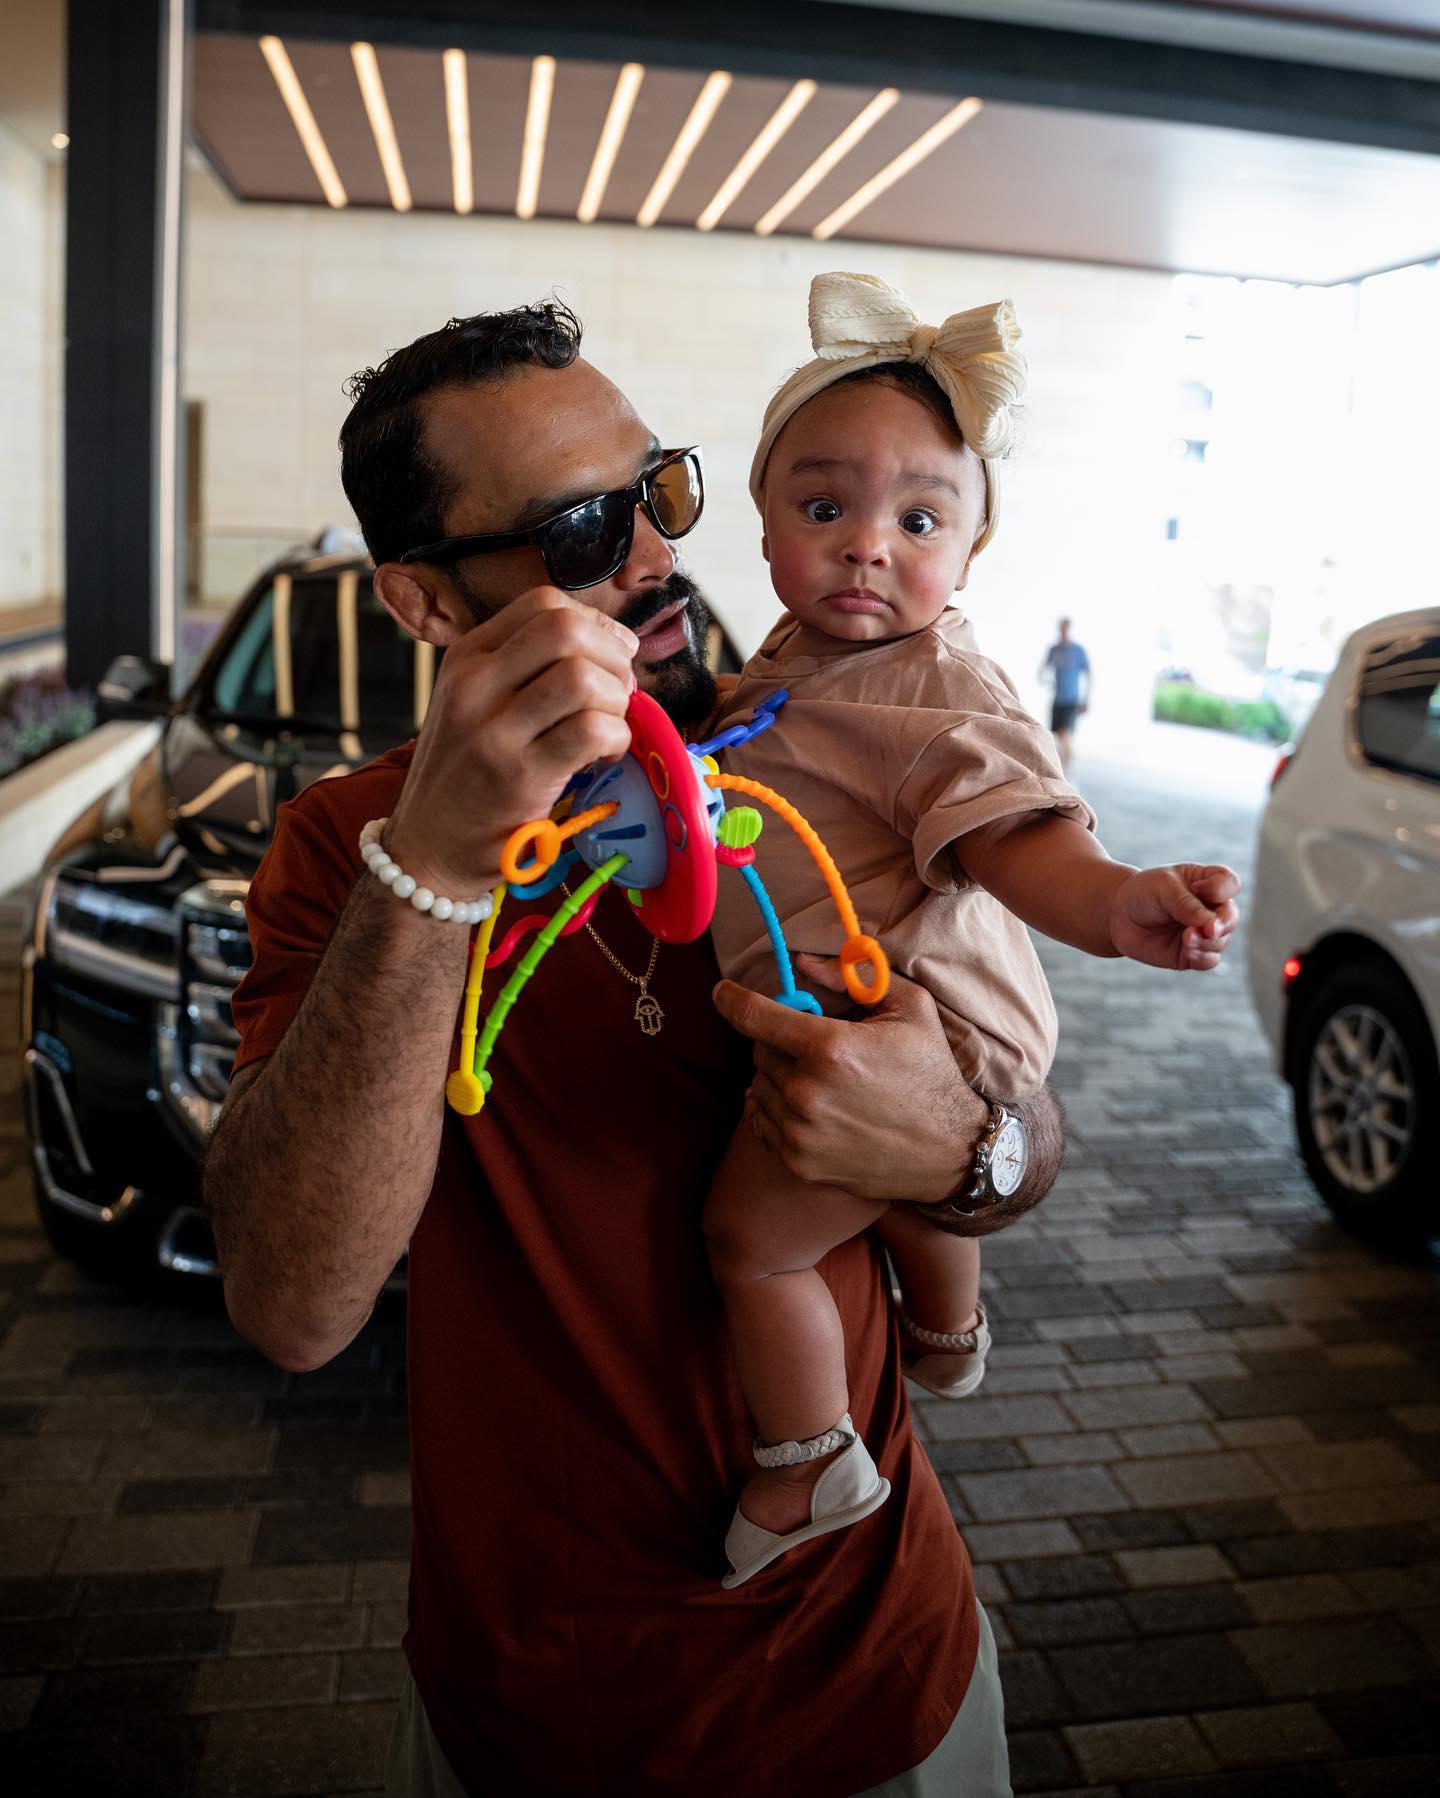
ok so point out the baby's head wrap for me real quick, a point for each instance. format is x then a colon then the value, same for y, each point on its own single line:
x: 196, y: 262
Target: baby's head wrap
x: 859, y: 321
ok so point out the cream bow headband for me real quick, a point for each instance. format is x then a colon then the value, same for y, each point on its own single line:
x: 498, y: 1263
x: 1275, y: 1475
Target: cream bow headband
x: 859, y: 321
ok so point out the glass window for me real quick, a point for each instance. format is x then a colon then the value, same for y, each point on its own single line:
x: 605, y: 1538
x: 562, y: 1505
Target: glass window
x: 349, y: 665
x: 1399, y: 711
x: 245, y: 679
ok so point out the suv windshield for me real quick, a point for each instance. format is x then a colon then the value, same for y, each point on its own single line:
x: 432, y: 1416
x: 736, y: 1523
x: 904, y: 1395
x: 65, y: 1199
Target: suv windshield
x: 320, y: 649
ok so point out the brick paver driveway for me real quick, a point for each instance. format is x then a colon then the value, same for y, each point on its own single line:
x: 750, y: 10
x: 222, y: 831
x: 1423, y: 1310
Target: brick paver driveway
x: 1201, y: 1484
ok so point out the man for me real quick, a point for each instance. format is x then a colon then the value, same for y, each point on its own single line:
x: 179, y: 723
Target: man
x: 1068, y: 666
x: 573, y: 1411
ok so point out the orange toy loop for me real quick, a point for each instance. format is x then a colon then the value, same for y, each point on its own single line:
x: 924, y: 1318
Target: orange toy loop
x: 548, y: 838
x: 544, y: 837
x: 860, y: 949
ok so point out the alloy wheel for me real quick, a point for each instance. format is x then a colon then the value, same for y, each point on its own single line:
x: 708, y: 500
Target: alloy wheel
x: 1361, y: 1098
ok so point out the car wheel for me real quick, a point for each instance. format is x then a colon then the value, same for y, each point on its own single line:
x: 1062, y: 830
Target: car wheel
x: 1367, y: 1102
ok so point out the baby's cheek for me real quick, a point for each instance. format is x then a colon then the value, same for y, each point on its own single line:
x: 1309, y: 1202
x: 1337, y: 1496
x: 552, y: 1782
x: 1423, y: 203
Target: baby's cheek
x: 788, y: 567
x: 928, y: 592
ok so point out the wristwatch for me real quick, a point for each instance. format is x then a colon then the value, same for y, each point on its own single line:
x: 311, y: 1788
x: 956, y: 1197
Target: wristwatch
x: 1000, y: 1161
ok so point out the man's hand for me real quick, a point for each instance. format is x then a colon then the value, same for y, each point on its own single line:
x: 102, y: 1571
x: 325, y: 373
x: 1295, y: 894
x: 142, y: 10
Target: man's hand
x: 1179, y: 917
x: 520, y: 704
x: 874, y: 1104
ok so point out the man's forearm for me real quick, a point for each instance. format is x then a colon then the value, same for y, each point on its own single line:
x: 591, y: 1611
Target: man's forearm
x: 1044, y: 1121
x: 319, y: 1170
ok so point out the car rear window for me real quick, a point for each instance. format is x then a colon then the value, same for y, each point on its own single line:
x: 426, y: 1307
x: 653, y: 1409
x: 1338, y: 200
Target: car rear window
x: 1398, y: 717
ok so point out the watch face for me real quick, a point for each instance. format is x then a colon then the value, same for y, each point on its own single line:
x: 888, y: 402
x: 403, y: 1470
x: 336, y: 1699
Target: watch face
x: 1007, y: 1159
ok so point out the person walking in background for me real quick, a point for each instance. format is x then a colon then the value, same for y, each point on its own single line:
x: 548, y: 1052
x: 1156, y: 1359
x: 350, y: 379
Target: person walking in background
x: 1066, y: 662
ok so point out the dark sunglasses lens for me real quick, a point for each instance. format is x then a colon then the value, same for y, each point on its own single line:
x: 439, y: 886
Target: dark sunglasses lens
x: 675, y: 496
x: 587, y: 545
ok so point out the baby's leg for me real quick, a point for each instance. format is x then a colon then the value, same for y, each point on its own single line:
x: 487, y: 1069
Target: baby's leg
x: 939, y: 1273
x: 943, y: 1329
x: 766, y: 1230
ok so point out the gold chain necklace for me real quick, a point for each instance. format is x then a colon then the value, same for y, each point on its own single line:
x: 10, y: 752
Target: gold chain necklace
x: 648, y: 1014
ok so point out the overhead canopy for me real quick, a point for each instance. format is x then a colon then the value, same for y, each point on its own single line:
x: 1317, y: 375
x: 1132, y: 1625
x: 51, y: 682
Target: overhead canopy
x: 1089, y: 145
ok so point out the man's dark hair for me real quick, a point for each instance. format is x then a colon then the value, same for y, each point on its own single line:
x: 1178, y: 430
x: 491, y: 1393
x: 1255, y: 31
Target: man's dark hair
x: 398, y: 492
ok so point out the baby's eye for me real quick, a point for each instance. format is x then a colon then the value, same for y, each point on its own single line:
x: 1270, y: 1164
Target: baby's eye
x: 821, y: 511
x: 919, y: 524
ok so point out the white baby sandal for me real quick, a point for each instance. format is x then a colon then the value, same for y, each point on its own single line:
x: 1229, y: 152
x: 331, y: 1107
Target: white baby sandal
x: 957, y: 1366
x: 849, y: 1489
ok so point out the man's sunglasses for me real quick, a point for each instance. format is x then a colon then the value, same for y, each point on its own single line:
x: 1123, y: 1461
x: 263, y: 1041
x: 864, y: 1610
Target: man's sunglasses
x: 586, y: 544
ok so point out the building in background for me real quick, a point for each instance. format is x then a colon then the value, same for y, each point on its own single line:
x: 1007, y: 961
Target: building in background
x: 1219, y: 471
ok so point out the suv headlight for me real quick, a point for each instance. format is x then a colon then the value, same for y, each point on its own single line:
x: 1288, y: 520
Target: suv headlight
x: 111, y: 936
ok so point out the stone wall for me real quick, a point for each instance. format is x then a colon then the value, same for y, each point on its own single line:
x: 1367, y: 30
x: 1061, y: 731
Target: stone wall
x: 31, y: 307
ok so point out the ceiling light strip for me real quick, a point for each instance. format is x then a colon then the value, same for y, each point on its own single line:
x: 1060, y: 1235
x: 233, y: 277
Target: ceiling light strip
x: 707, y: 104
x: 537, y: 123
x: 457, y: 120
x: 783, y: 117
x: 923, y: 146
x: 303, y: 120
x: 612, y: 132
x: 382, y: 126
x: 865, y: 120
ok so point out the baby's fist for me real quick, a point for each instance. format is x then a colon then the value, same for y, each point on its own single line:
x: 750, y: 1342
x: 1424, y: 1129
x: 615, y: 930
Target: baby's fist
x: 1178, y: 917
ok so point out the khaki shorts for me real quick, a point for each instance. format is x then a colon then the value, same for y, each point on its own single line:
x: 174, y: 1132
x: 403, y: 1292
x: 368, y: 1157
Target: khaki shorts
x: 971, y: 1762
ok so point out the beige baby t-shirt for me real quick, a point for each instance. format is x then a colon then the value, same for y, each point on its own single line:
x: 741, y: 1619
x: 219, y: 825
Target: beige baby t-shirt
x: 894, y: 751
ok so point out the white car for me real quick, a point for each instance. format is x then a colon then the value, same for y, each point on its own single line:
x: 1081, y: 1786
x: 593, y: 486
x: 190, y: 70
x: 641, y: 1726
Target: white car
x: 1344, y: 934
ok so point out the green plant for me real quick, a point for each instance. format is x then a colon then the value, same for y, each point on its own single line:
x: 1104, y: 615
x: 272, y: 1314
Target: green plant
x: 38, y: 712
x: 1177, y: 702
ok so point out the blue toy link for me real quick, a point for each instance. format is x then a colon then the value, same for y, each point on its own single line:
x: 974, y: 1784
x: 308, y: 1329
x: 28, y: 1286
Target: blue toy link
x: 794, y: 996
x: 760, y: 719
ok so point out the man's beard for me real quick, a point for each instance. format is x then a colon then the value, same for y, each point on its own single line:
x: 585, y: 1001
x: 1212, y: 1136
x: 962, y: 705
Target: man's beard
x: 682, y: 683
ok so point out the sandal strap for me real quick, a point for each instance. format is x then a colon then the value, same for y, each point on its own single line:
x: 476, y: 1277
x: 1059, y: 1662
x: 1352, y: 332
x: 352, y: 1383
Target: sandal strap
x: 813, y: 1448
x: 955, y: 1340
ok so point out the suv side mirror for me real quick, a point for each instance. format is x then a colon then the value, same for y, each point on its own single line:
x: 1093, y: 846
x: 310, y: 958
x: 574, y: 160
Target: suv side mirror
x: 133, y: 687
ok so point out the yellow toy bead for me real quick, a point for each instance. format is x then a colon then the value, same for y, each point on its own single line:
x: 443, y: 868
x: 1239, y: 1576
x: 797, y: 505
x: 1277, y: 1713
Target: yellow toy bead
x: 711, y: 763
x: 465, y: 1093
x: 740, y: 827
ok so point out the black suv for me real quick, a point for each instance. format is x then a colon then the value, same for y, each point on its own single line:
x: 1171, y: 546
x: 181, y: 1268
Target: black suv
x: 138, y: 934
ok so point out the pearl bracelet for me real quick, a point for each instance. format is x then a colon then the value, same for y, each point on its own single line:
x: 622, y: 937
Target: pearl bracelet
x: 404, y: 886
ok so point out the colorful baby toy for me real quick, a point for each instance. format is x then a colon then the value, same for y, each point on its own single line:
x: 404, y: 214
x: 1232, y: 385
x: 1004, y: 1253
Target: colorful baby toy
x: 657, y: 821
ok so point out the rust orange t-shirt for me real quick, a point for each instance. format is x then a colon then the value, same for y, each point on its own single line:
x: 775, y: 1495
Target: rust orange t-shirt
x: 577, y: 1434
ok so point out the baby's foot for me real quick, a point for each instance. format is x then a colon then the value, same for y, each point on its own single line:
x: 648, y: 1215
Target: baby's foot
x: 778, y: 1498
x: 954, y: 1365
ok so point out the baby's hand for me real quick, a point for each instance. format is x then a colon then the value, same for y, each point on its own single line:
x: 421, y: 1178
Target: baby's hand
x: 1178, y: 917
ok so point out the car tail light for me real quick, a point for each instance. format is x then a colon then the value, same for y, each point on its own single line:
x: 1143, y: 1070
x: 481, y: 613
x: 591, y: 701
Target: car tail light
x: 1287, y: 755
x: 1290, y: 973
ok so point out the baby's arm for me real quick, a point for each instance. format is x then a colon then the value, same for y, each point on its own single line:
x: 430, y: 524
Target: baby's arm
x: 1053, y: 873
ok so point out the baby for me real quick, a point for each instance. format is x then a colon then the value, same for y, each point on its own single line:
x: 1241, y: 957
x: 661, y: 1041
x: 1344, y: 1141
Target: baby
x: 940, y: 797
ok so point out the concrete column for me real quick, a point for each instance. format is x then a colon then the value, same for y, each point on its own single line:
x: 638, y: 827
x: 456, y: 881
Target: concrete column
x: 127, y: 72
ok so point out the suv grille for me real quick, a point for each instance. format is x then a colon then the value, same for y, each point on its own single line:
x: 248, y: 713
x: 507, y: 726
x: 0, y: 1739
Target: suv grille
x: 198, y: 1037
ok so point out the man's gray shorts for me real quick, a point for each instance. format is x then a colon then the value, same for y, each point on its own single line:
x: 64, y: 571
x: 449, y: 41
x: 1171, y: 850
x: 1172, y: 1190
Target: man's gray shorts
x: 971, y: 1762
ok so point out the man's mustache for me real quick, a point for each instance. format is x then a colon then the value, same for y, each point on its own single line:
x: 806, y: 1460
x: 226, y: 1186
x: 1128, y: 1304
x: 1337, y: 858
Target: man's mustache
x: 675, y: 589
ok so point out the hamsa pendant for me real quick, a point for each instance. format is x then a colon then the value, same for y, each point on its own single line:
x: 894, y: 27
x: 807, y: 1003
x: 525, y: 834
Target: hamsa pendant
x: 648, y: 1014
